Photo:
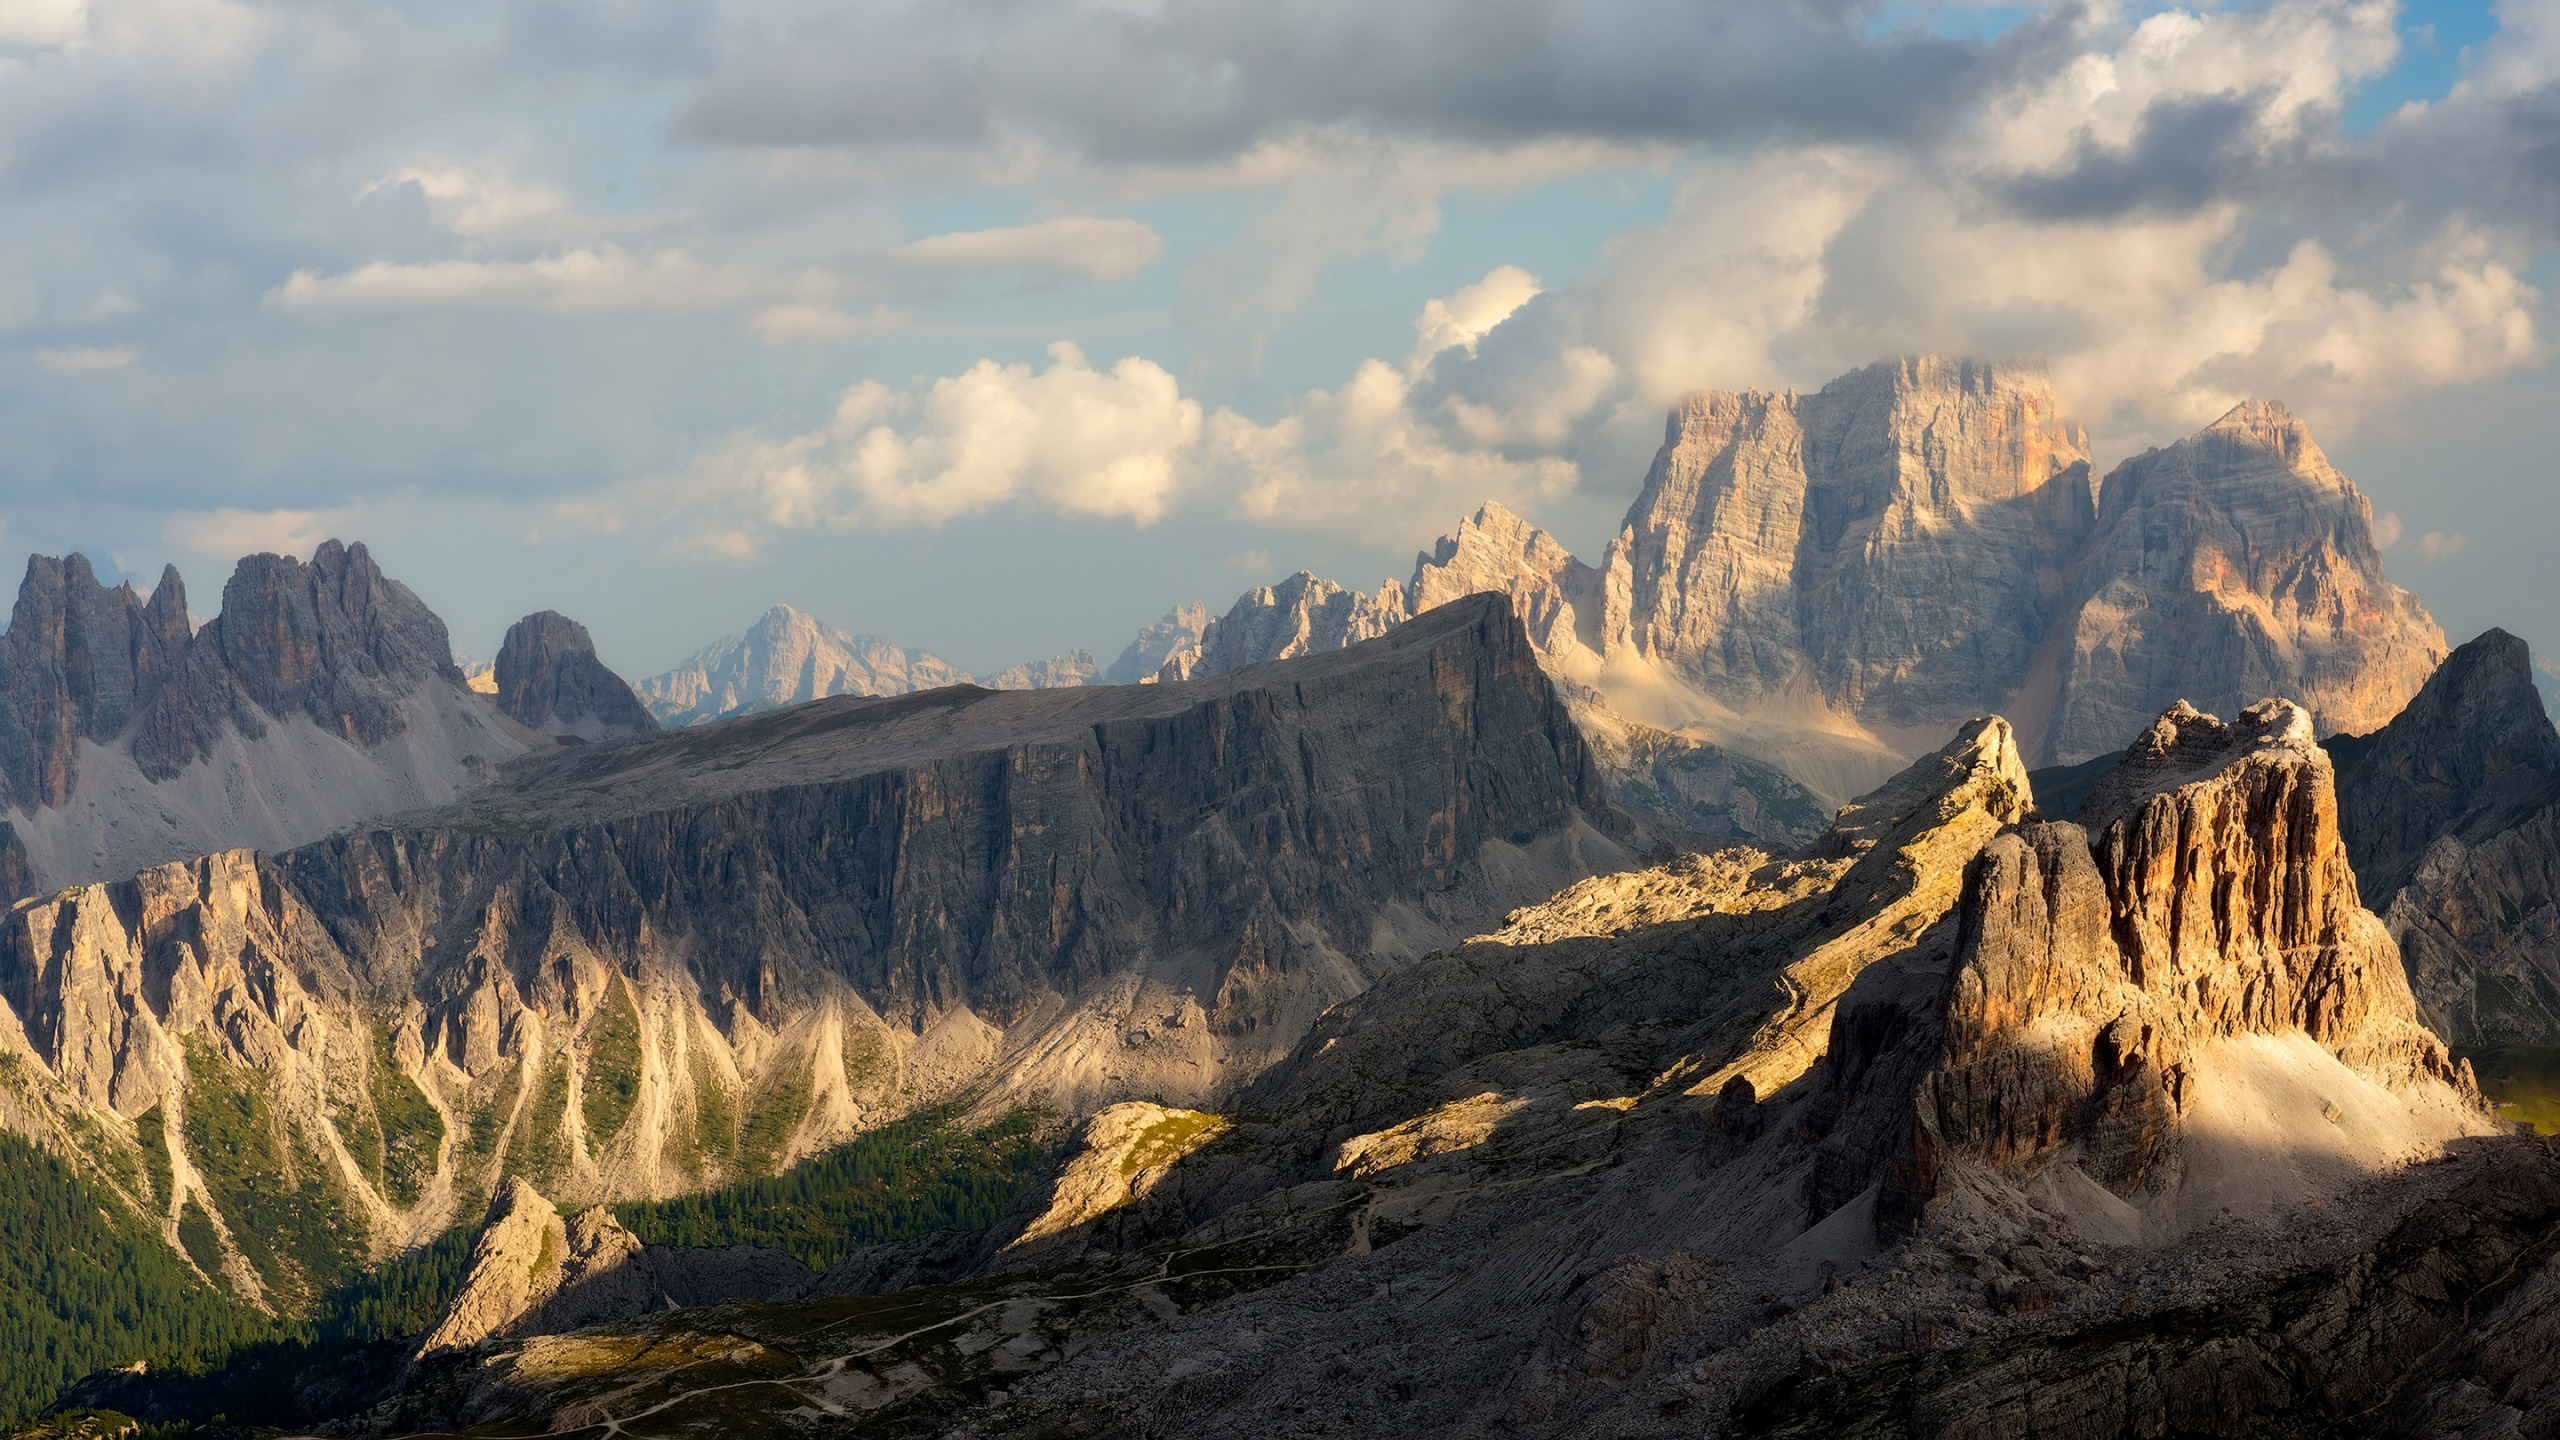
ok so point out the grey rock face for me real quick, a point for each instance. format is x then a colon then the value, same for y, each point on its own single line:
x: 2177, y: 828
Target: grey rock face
x: 2452, y: 813
x: 1076, y: 667
x: 267, y: 726
x: 549, y: 678
x: 79, y: 662
x: 2468, y: 757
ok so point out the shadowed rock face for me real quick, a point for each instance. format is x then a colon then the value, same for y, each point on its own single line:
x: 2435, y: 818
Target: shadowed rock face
x: 324, y: 694
x: 80, y: 662
x: 2452, y: 812
x: 550, y: 680
x: 2473, y: 752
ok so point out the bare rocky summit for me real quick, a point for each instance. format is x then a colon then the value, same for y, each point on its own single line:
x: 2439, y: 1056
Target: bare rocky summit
x: 323, y: 694
x: 1301, y: 615
x: 549, y: 679
x: 786, y: 658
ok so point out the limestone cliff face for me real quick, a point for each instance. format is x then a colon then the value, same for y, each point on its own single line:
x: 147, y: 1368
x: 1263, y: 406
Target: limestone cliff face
x: 323, y: 694
x: 785, y: 658
x: 1301, y: 615
x: 1076, y: 667
x: 2233, y: 564
x: 2452, y: 815
x: 638, y: 969
x: 1833, y: 540
x: 2198, y: 946
x: 549, y: 679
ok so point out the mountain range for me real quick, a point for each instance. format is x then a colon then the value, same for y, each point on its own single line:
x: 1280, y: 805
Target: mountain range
x: 1650, y: 995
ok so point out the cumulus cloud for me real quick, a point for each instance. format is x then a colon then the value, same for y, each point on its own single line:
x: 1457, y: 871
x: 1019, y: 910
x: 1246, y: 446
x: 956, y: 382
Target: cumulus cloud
x: 1463, y: 318
x: 1078, y: 246
x: 43, y: 24
x: 1068, y: 438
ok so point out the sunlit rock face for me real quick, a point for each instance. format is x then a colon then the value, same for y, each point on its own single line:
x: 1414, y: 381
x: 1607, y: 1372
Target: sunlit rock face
x: 2127, y: 990
x: 1301, y: 615
x: 2232, y: 565
x: 786, y: 658
x: 1898, y: 541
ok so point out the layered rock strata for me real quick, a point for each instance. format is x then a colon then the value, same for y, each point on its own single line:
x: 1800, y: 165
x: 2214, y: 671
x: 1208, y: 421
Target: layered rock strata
x: 549, y: 679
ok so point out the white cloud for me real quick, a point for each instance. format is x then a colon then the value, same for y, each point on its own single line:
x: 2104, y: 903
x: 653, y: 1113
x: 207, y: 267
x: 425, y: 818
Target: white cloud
x: 86, y: 359
x: 1361, y: 459
x: 1080, y: 247
x: 2434, y: 546
x: 1463, y: 318
x: 228, y: 534
x: 1068, y: 438
x: 596, y: 280
x: 480, y: 202
x: 43, y: 24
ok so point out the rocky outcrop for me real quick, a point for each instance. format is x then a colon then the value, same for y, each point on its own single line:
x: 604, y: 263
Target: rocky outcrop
x: 1122, y: 1153
x: 1301, y: 615
x: 2472, y: 754
x: 1180, y: 629
x: 786, y: 658
x: 534, y: 1271
x: 2452, y: 815
x: 2196, y: 945
x: 549, y: 679
x: 2234, y: 564
x: 324, y: 694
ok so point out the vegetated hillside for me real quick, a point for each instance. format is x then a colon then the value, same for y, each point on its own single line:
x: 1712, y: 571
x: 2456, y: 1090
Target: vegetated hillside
x: 86, y: 1283
x: 911, y: 1177
x: 643, y: 969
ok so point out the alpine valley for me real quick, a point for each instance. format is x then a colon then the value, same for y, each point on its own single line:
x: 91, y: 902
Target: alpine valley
x: 1923, y: 936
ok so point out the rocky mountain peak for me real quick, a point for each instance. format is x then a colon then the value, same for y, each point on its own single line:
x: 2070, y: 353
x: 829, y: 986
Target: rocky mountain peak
x: 549, y: 678
x: 79, y: 661
x: 1302, y: 615
x: 784, y: 658
x: 2182, y: 982
x: 332, y: 638
x: 1556, y: 596
x: 2473, y: 745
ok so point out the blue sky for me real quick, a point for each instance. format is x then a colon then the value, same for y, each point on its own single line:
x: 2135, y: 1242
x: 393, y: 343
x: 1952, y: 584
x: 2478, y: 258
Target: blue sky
x: 658, y: 312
